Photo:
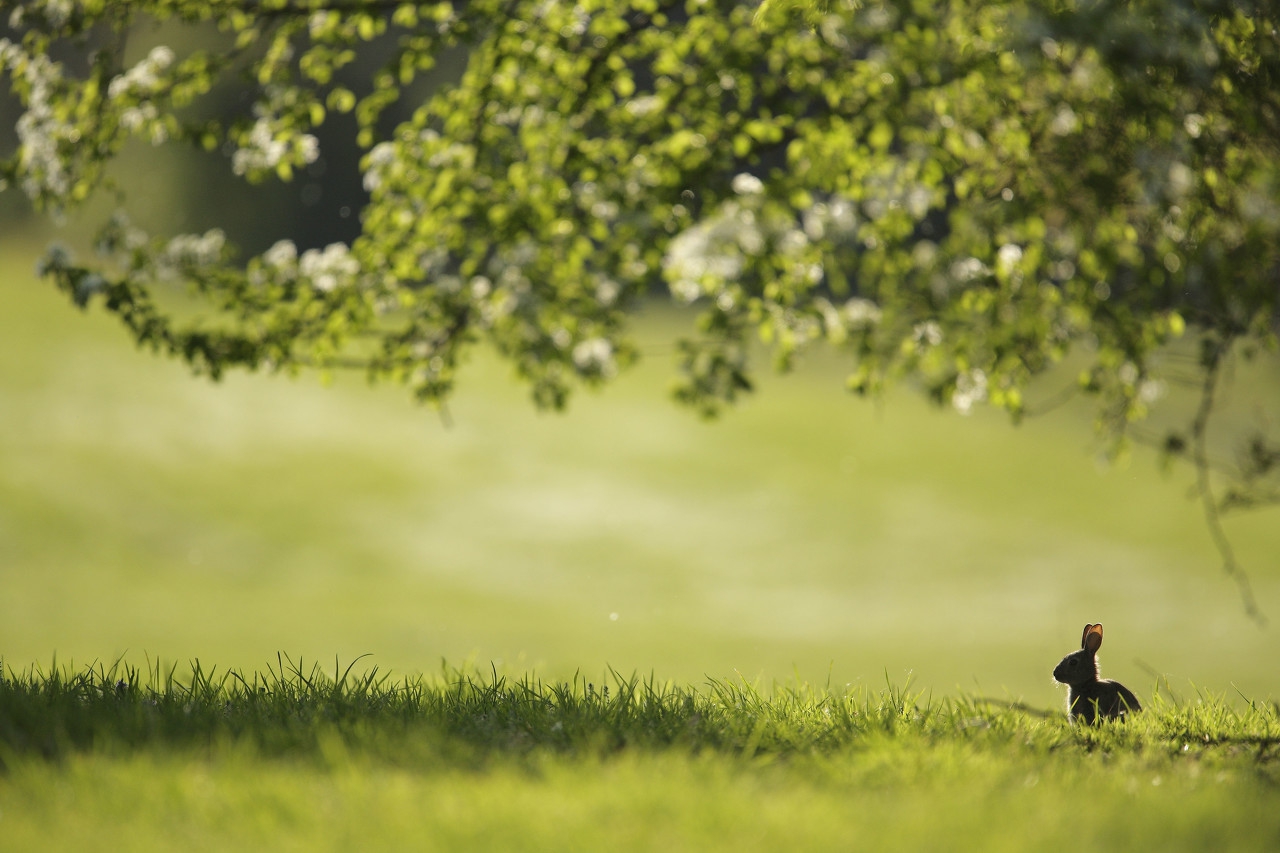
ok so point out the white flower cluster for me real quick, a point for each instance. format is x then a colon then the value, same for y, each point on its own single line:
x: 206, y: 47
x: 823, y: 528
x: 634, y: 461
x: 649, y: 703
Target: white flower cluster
x: 834, y: 219
x: 861, y: 313
x: 377, y: 164
x: 747, y: 184
x: 266, y: 148
x: 968, y: 269
x: 48, y: 139
x: 590, y: 200
x: 282, y: 256
x: 142, y: 82
x: 971, y: 387
x: 1008, y: 258
x: 704, y: 259
x: 268, y: 143
x: 42, y: 134
x: 329, y: 268
x: 188, y: 253
x: 926, y: 334
x: 607, y: 290
x: 573, y: 20
x: 1146, y: 390
x: 55, y: 12
x: 144, y: 78
x: 321, y: 23
x: 856, y: 315
x: 644, y: 105
x: 181, y: 257
x: 119, y: 238
x: 1065, y: 121
x: 399, y: 163
x: 888, y: 193
x: 595, y: 356
x: 326, y: 269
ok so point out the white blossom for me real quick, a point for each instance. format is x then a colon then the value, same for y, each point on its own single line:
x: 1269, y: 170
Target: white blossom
x: 707, y: 252
x: 308, y: 148
x: 1008, y: 257
x: 135, y: 118
x: 834, y: 218
x: 41, y: 134
x: 713, y: 253
x: 594, y: 355
x: 918, y: 200
x: 187, y: 253
x: 329, y: 268
x: 861, y: 313
x: 1151, y: 390
x: 58, y: 11
x: 967, y: 269
x: 605, y: 210
x: 1065, y: 121
x: 263, y: 151
x: 792, y: 242
x: 971, y: 387
x: 1181, y: 179
x: 643, y: 105
x: 607, y: 291
x: 283, y: 255
x: 747, y: 184
x: 268, y: 143
x: 928, y: 333
x: 320, y: 22
x: 379, y: 160
x: 143, y: 78
x: 119, y: 237
x: 55, y: 12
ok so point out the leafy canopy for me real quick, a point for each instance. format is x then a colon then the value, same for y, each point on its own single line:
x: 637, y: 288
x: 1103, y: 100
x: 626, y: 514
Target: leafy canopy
x: 957, y: 191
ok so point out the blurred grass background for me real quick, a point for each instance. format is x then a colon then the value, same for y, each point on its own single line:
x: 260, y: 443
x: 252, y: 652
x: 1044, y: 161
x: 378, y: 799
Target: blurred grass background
x: 145, y: 513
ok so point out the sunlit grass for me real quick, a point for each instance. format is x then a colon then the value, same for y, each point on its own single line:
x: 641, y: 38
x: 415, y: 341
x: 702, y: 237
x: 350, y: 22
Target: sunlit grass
x: 312, y: 760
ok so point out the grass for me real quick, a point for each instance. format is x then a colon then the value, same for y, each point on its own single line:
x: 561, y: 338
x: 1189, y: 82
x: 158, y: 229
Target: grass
x: 294, y: 758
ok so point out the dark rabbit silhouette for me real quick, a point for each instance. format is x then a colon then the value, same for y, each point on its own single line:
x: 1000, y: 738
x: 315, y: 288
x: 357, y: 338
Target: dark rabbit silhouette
x: 1091, y: 697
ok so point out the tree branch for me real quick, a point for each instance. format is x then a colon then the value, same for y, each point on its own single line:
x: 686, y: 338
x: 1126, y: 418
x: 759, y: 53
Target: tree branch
x: 1215, y: 354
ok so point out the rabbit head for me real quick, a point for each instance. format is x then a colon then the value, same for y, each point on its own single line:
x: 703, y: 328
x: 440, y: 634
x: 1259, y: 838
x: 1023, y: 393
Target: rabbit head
x: 1081, y: 667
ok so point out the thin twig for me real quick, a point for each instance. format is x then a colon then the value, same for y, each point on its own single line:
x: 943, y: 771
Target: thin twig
x: 1053, y: 402
x: 1214, y: 357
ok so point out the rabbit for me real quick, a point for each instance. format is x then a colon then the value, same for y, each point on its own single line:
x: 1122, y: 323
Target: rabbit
x: 1091, y: 697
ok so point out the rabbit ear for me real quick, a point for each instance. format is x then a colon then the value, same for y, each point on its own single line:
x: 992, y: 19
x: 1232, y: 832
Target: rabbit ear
x: 1092, y: 639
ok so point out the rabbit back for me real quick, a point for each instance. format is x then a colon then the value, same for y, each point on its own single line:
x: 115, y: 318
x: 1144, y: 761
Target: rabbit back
x: 1101, y: 699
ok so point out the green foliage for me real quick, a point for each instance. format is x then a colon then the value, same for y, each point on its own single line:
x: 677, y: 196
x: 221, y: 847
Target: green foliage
x: 959, y: 192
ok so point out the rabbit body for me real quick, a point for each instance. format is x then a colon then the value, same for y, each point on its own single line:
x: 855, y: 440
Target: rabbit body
x: 1089, y: 697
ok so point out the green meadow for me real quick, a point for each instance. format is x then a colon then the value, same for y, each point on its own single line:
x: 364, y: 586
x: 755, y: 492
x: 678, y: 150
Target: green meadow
x: 915, y: 572
x: 114, y: 758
